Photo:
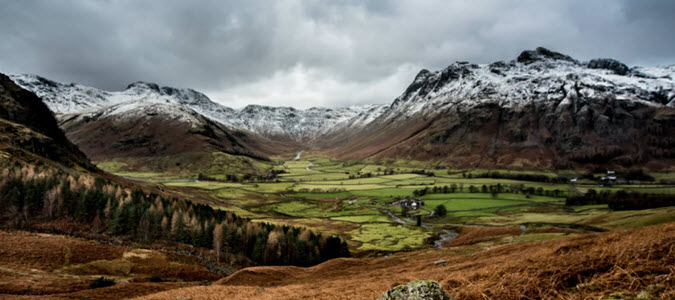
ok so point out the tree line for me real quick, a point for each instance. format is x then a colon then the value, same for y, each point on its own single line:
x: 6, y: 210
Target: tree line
x: 31, y: 197
x: 622, y: 200
x: 272, y: 176
x: 521, y: 177
x: 493, y: 189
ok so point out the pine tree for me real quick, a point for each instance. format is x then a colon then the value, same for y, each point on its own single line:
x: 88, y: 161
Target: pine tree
x: 218, y: 240
x: 272, y: 249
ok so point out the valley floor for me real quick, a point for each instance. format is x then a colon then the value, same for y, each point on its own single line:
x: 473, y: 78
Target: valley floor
x: 357, y: 200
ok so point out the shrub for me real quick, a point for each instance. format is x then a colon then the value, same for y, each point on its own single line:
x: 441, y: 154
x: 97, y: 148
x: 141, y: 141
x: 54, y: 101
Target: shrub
x: 101, y: 282
x: 440, y: 210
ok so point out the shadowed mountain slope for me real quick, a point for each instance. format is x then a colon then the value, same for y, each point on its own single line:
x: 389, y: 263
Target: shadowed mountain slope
x: 29, y: 131
x: 544, y: 110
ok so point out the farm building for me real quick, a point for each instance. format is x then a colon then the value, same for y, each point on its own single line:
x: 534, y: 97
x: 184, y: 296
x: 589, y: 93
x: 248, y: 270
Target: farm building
x: 408, y: 202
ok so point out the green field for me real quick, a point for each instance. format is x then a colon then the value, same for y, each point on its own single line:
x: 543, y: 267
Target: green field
x: 295, y: 208
x: 317, y: 192
x: 471, y: 204
x: 388, y: 237
x: 207, y: 185
x: 364, y: 219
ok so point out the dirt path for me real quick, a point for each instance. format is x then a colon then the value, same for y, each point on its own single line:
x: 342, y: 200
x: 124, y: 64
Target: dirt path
x: 310, y: 169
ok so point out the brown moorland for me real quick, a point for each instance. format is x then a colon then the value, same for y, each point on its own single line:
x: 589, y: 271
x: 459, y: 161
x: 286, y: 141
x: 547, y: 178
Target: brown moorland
x: 45, y: 266
x: 638, y: 262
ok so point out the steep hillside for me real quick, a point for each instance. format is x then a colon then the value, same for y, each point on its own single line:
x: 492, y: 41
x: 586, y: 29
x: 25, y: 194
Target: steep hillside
x: 543, y: 109
x: 29, y: 132
x: 154, y: 127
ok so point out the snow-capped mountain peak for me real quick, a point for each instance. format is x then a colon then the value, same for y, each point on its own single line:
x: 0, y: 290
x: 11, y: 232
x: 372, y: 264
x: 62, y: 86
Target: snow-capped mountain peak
x: 143, y: 99
x: 535, y: 76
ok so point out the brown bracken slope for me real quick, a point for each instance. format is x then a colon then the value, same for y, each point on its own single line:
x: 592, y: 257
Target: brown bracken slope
x: 44, y: 266
x: 627, y: 263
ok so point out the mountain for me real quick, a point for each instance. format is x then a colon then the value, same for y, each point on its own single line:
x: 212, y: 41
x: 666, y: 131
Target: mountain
x: 303, y: 125
x: 29, y: 132
x: 543, y: 109
x: 151, y: 128
x: 284, y: 123
x: 154, y: 128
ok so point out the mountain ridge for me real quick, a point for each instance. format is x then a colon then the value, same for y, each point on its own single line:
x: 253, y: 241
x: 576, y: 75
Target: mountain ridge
x: 546, y: 110
x: 295, y: 124
x: 541, y: 109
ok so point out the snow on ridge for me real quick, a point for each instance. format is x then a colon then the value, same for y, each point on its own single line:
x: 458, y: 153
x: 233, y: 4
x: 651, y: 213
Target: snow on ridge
x: 141, y: 98
x: 538, y: 79
x: 539, y: 76
x: 303, y: 124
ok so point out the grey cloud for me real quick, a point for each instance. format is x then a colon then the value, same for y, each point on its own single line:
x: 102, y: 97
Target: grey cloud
x: 324, y: 52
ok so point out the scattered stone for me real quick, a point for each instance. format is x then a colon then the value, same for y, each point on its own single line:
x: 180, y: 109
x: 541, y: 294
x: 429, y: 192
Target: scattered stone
x: 440, y: 262
x: 417, y: 290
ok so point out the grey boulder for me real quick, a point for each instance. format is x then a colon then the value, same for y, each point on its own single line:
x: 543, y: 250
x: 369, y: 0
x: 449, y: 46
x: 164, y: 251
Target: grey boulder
x: 417, y: 290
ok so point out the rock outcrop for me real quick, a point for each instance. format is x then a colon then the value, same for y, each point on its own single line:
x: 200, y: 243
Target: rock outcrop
x: 417, y: 290
x: 615, y: 66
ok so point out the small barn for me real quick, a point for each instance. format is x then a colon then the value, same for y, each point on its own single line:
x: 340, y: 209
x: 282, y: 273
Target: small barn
x: 408, y: 202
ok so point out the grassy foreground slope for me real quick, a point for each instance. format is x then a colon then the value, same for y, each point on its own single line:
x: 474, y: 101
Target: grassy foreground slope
x: 614, y: 265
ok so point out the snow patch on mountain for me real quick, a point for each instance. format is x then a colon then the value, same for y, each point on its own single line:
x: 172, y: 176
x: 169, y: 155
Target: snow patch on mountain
x: 304, y: 125
x: 148, y: 99
x: 63, y: 98
x: 538, y: 75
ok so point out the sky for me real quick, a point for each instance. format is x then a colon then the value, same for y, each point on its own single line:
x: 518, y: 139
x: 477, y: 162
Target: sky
x: 312, y: 53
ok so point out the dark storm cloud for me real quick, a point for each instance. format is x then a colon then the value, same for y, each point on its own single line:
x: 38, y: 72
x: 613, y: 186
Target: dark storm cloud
x: 306, y: 53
